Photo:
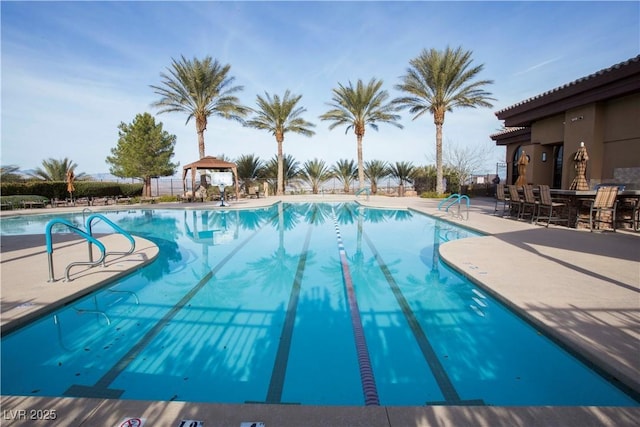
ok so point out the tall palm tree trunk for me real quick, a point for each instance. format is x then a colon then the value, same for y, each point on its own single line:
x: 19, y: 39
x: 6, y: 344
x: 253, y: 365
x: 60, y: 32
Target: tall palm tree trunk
x: 438, y: 120
x: 280, y: 184
x: 439, y: 187
x: 201, y: 126
x: 360, y: 165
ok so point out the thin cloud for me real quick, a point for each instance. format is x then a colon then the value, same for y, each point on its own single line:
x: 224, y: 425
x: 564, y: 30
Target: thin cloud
x: 537, y: 66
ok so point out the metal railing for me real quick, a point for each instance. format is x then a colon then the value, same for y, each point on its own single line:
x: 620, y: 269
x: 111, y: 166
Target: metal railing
x: 115, y: 227
x: 365, y: 190
x: 73, y: 228
x: 455, y: 199
x: 91, y: 240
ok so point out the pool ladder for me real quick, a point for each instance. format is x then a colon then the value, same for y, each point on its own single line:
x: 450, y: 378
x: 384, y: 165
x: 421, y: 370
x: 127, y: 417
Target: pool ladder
x: 453, y: 200
x: 365, y: 190
x: 91, y: 240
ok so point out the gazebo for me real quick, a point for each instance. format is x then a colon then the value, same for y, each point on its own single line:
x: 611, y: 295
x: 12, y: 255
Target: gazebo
x: 208, y: 163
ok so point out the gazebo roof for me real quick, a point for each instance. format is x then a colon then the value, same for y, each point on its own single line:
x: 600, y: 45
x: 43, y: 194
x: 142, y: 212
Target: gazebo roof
x: 209, y: 162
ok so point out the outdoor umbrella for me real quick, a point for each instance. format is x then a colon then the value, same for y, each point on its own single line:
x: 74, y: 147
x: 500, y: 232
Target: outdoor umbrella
x: 580, y: 159
x: 522, y: 169
x: 70, y: 187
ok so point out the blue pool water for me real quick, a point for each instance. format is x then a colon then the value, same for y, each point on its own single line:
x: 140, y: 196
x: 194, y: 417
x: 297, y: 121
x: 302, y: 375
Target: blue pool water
x: 254, y: 306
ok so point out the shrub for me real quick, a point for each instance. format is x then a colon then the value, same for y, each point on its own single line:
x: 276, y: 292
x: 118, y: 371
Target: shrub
x: 58, y: 189
x: 433, y: 195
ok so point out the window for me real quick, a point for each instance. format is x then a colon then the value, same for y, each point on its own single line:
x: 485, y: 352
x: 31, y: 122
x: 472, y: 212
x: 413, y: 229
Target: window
x: 558, y: 151
x: 514, y: 164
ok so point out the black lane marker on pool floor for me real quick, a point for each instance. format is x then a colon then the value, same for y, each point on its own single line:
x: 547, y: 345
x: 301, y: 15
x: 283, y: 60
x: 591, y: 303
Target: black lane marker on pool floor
x: 101, y: 388
x: 369, y: 388
x: 449, y: 392
x: 276, y: 385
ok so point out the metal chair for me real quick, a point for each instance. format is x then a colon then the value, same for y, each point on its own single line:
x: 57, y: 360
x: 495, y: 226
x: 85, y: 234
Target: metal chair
x: 629, y: 212
x: 514, y: 200
x: 554, y: 208
x: 501, y: 198
x: 529, y: 201
x: 604, y: 203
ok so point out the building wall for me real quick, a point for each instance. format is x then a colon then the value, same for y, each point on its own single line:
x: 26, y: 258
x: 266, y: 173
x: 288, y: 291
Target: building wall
x: 611, y: 134
x: 545, y: 134
x: 621, y: 159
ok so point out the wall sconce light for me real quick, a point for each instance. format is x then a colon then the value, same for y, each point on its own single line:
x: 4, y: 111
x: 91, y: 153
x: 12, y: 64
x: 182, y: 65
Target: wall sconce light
x: 544, y: 157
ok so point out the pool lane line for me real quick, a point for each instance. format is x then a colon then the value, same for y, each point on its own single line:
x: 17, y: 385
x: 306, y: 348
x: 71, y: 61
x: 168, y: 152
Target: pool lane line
x: 101, y: 388
x: 447, y: 388
x: 367, y: 378
x: 276, y: 384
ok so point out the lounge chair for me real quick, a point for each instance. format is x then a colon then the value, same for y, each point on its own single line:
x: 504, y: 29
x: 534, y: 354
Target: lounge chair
x: 554, y: 208
x: 99, y: 201
x: 602, y: 208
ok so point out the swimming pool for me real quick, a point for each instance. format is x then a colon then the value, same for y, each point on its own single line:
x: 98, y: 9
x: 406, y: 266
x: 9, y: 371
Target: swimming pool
x: 299, y: 304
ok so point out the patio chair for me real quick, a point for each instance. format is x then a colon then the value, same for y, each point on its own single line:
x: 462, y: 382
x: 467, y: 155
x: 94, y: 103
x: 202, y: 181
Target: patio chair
x: 554, y: 208
x: 602, y: 208
x: 501, y: 198
x: 529, y: 201
x: 628, y: 211
x: 514, y: 201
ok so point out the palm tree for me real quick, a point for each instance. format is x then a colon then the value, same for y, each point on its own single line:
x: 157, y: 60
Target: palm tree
x: 358, y: 107
x: 289, y: 167
x: 200, y: 88
x: 249, y: 167
x: 375, y: 170
x: 403, y: 171
x: 315, y: 172
x: 438, y: 82
x: 9, y: 173
x: 56, y: 170
x: 278, y: 117
x: 346, y: 171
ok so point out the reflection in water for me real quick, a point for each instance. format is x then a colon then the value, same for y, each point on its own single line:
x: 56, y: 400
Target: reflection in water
x: 212, y: 311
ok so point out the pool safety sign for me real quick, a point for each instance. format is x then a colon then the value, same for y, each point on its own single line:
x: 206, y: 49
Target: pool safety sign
x: 132, y: 422
x: 190, y: 423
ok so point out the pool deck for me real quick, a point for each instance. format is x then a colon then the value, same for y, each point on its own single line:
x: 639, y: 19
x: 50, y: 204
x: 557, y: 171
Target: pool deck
x: 581, y: 288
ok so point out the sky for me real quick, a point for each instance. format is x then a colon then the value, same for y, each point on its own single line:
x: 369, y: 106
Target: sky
x: 73, y: 71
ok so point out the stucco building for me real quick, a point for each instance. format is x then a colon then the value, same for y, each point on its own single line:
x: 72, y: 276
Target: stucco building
x: 602, y: 110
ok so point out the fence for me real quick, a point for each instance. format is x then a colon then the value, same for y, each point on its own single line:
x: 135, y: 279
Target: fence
x: 172, y: 186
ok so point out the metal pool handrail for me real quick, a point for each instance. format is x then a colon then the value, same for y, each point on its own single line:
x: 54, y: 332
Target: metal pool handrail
x: 455, y: 199
x: 116, y: 227
x: 80, y: 232
x: 366, y: 190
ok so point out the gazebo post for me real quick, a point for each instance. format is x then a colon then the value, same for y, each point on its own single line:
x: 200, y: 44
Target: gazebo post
x: 184, y: 181
x: 194, y: 170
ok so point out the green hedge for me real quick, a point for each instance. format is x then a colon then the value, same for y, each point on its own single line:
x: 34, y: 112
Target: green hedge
x: 58, y: 189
